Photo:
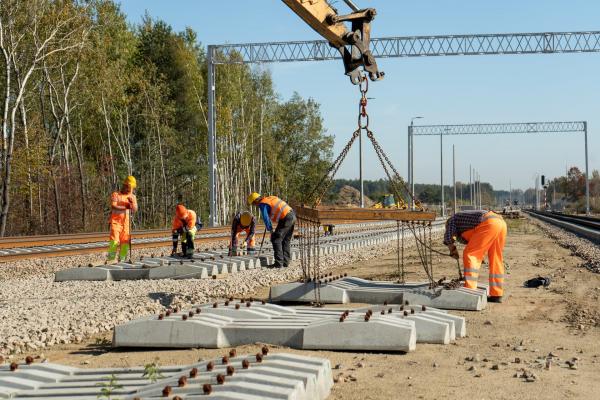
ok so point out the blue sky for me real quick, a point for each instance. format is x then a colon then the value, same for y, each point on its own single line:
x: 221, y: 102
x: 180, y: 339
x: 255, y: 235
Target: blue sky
x: 454, y: 90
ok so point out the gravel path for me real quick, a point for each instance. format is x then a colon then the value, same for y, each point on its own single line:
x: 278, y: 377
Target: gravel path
x: 37, y: 312
x: 587, y: 250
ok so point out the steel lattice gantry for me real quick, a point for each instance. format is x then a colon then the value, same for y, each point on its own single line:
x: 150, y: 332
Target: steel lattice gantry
x: 498, y: 129
x: 409, y: 46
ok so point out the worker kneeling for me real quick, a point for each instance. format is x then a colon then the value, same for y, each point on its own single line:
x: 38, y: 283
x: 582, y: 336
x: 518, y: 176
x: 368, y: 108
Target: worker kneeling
x: 242, y: 222
x: 185, y: 224
x: 122, y: 203
x: 276, y: 211
x: 483, y: 231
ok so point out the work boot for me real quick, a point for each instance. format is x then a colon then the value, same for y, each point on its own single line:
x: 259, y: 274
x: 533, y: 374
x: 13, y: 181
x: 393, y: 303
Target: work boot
x: 494, y: 299
x: 183, y: 248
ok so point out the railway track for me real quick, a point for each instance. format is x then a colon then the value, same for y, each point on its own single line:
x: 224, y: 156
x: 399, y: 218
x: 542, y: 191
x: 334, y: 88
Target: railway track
x: 44, y: 246
x: 26, y: 247
x: 588, y: 227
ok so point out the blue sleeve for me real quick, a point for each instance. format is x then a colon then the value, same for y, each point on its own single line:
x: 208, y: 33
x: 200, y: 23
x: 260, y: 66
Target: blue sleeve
x: 265, y: 211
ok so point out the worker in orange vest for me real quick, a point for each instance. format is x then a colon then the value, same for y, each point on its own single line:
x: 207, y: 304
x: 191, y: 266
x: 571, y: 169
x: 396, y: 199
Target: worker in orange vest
x: 483, y: 232
x: 276, y: 211
x: 122, y: 203
x: 242, y: 222
x: 185, y: 223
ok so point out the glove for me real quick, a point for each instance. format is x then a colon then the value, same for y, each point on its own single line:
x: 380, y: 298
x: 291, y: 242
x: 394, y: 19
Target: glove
x: 454, y: 252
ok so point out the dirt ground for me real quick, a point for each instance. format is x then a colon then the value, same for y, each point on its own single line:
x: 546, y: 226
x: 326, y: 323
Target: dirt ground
x: 502, y: 340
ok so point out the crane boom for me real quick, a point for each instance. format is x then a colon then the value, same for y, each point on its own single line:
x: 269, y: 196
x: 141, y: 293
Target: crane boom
x: 352, y: 44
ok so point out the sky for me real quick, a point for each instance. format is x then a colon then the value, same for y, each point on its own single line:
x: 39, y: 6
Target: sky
x: 443, y: 90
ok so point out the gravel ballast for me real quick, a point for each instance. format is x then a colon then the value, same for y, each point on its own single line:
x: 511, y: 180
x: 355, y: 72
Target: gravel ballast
x: 37, y: 312
x: 583, y: 248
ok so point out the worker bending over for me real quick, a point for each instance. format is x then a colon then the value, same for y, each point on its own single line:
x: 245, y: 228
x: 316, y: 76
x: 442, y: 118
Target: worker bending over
x: 482, y: 231
x: 186, y: 224
x: 276, y: 211
x: 242, y: 222
x: 122, y: 203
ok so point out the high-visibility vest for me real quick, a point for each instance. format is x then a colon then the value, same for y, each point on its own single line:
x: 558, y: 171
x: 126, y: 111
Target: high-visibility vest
x: 279, y: 208
x: 122, y: 200
x: 190, y: 221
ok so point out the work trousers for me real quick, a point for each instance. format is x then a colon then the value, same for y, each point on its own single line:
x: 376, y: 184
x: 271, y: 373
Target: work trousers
x: 119, y: 235
x: 187, y: 240
x: 282, y: 238
x: 489, y: 236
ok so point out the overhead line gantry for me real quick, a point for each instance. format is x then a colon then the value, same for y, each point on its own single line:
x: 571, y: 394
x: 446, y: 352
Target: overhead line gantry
x: 391, y: 47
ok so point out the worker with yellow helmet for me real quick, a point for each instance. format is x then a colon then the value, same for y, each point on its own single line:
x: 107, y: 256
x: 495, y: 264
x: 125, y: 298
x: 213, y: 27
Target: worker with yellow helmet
x: 242, y: 222
x: 122, y: 203
x: 276, y: 211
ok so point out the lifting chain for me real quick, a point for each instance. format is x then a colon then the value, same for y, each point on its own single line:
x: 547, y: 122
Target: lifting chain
x: 327, y: 180
x: 310, y: 244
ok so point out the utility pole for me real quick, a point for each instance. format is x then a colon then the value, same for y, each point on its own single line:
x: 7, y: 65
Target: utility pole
x: 411, y: 159
x: 480, y: 194
x: 442, y: 172
x: 510, y: 193
x: 537, y: 194
x: 471, y: 184
x: 409, y: 169
x: 212, y: 138
x: 454, y: 176
x: 476, y: 189
x: 587, y: 175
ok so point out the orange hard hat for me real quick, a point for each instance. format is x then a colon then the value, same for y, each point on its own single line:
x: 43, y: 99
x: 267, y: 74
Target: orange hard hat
x: 181, y: 211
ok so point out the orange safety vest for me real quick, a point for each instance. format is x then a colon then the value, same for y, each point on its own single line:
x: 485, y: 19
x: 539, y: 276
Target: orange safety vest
x: 121, y: 200
x: 190, y: 221
x: 279, y: 208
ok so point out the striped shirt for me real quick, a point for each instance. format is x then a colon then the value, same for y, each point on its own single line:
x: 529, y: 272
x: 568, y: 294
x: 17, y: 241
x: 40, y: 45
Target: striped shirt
x: 461, y: 222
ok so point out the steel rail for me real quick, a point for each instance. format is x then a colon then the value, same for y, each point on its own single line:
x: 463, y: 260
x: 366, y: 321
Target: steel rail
x: 580, y: 226
x: 79, y: 238
x: 54, y: 245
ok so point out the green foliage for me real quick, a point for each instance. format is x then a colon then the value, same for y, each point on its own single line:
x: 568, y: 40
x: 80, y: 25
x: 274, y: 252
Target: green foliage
x: 152, y: 371
x: 107, y: 388
x: 138, y: 106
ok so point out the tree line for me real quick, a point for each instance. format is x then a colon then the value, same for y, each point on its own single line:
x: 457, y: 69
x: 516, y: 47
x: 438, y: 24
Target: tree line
x: 87, y: 99
x: 563, y: 192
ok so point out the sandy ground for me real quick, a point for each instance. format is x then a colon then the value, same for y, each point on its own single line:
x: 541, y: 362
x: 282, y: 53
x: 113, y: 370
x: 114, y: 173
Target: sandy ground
x: 504, y: 339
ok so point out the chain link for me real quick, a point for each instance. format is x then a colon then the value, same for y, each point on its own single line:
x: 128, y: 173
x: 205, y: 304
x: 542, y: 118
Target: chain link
x: 326, y: 181
x: 309, y: 245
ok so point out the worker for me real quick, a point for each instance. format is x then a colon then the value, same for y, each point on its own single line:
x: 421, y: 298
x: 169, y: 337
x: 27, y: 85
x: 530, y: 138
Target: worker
x: 482, y: 231
x: 185, y: 224
x: 122, y: 203
x: 242, y: 222
x: 276, y: 211
x: 328, y: 229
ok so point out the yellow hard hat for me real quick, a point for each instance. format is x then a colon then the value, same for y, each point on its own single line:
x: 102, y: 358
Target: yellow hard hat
x: 246, y: 218
x: 253, y: 197
x: 130, y: 180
